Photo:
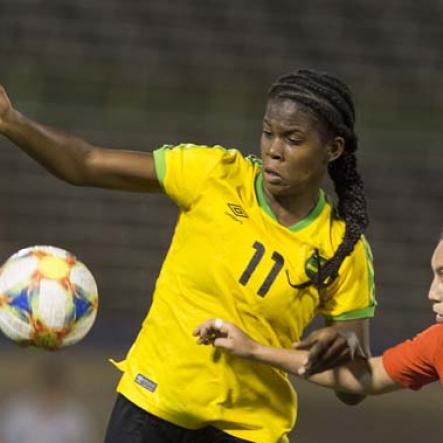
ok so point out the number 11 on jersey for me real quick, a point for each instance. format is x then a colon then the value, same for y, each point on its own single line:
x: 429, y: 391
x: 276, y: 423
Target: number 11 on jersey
x: 253, y: 263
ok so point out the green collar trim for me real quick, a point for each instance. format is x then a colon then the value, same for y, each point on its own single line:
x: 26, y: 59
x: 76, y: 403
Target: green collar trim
x: 303, y: 223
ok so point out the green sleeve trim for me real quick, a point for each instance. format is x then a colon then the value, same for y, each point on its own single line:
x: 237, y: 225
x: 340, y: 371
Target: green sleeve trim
x: 370, y: 264
x: 368, y: 312
x: 160, y: 163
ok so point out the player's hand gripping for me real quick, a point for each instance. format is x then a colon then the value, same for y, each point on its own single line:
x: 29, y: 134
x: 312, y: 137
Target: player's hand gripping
x: 328, y: 347
x: 225, y: 335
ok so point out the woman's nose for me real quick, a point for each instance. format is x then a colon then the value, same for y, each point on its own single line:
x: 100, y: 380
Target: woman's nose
x: 436, y: 291
x: 276, y: 148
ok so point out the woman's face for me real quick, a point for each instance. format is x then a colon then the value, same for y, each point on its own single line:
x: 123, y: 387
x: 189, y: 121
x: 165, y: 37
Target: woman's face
x: 436, y: 289
x: 293, y: 151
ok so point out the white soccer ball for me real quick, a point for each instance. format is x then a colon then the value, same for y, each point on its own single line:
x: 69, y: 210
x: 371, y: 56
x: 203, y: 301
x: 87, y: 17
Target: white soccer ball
x: 48, y: 298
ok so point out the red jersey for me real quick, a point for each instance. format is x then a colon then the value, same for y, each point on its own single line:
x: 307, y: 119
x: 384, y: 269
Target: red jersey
x: 419, y: 361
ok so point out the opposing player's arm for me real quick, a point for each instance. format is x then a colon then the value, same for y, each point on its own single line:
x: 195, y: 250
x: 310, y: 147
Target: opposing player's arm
x: 360, y: 377
x: 74, y: 160
x: 357, y: 379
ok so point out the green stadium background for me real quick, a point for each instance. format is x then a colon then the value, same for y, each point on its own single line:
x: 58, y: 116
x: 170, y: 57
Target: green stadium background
x: 140, y: 74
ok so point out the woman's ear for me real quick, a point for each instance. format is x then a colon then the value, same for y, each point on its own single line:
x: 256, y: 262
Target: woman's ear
x: 335, y: 148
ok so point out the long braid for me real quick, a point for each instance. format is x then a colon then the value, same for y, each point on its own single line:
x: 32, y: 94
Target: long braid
x: 331, y: 102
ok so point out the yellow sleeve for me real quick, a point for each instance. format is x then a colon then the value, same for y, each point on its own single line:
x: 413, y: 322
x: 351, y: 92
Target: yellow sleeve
x: 352, y: 295
x: 183, y: 169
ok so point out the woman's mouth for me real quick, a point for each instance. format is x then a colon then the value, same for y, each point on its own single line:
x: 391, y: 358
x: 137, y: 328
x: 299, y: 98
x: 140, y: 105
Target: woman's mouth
x: 272, y: 176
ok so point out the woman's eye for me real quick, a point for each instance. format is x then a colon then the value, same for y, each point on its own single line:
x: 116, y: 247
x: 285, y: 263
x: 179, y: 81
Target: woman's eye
x: 294, y: 141
x: 267, y: 133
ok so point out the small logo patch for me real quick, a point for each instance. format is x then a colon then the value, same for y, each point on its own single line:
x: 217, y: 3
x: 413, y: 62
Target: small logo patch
x: 145, y: 382
x: 237, y: 210
x: 313, y: 263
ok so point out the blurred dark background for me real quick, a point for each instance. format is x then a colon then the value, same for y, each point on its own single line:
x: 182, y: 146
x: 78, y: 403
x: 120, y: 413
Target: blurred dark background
x: 138, y: 74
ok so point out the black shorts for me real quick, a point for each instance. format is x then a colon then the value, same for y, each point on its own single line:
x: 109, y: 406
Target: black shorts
x: 130, y: 424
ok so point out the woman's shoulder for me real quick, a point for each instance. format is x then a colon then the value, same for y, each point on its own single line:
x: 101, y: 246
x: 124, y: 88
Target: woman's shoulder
x: 435, y: 331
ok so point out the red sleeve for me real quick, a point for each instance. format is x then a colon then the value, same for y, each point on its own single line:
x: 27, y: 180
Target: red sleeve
x: 416, y: 362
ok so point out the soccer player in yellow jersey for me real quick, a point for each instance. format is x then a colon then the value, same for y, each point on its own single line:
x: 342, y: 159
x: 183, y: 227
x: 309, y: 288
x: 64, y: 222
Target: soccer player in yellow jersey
x: 411, y: 364
x: 257, y: 243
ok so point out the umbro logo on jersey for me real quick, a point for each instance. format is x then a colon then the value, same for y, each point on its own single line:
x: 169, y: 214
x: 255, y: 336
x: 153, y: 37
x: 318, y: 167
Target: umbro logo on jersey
x: 237, y: 210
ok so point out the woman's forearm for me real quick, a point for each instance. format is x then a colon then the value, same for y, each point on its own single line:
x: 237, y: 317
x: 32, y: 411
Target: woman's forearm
x: 287, y: 359
x: 63, y: 155
x: 78, y: 162
x: 363, y: 377
x: 360, y: 377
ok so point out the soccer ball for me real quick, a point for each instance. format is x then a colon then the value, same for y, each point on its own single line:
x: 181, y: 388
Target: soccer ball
x: 48, y: 298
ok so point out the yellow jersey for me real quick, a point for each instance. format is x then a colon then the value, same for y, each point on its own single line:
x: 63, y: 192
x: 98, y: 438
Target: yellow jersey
x: 230, y: 258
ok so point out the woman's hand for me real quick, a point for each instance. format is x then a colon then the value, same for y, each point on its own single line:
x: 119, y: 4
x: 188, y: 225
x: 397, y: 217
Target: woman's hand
x: 327, y: 348
x: 5, y: 107
x: 225, y: 335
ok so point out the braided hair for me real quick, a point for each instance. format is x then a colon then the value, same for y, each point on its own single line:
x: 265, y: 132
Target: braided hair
x: 330, y: 100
